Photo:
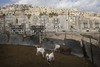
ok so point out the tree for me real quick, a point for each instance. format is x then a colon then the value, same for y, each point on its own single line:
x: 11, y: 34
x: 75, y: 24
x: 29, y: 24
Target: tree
x: 41, y: 14
x: 53, y: 14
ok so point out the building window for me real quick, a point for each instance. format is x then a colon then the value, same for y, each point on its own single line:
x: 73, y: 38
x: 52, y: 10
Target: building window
x: 85, y: 25
x: 16, y: 21
x: 96, y: 25
x: 56, y: 21
x: 19, y: 30
x: 13, y: 30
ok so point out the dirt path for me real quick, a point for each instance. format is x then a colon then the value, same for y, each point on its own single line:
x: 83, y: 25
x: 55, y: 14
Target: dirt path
x: 25, y: 56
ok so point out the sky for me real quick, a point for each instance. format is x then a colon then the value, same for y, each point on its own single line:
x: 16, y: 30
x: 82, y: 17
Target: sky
x: 83, y: 5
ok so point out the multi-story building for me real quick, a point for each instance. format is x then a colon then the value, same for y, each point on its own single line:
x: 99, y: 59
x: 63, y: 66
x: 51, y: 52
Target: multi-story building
x: 20, y: 19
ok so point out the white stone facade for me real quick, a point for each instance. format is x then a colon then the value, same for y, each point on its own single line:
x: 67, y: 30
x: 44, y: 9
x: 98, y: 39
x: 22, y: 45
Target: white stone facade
x: 21, y: 20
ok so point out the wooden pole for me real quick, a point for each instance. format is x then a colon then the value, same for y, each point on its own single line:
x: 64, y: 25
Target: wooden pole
x: 91, y: 52
x: 65, y: 34
x: 84, y: 49
x: 99, y: 39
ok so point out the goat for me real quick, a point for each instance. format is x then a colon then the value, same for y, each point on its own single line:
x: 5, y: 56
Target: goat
x: 40, y: 50
x: 56, y: 47
x: 62, y: 49
x: 50, y: 57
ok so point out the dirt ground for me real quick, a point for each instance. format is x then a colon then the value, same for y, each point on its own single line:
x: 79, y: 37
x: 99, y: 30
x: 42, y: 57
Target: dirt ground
x: 25, y: 56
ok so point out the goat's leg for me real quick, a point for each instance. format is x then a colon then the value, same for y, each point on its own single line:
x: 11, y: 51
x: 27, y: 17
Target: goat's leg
x: 54, y: 49
x: 37, y: 53
x: 49, y: 62
x: 43, y: 54
x: 53, y: 58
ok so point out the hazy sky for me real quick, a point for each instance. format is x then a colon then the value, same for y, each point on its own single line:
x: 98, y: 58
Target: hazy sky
x: 86, y: 5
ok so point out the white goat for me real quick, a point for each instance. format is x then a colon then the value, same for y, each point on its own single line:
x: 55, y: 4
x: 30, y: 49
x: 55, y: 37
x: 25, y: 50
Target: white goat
x: 50, y: 57
x: 40, y: 50
x: 47, y: 56
x: 56, y: 47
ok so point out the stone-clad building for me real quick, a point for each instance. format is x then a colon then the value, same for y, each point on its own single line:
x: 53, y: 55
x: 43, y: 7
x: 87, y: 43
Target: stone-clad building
x: 20, y: 18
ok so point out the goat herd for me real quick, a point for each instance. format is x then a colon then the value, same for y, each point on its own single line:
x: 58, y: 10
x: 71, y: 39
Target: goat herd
x: 50, y: 56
